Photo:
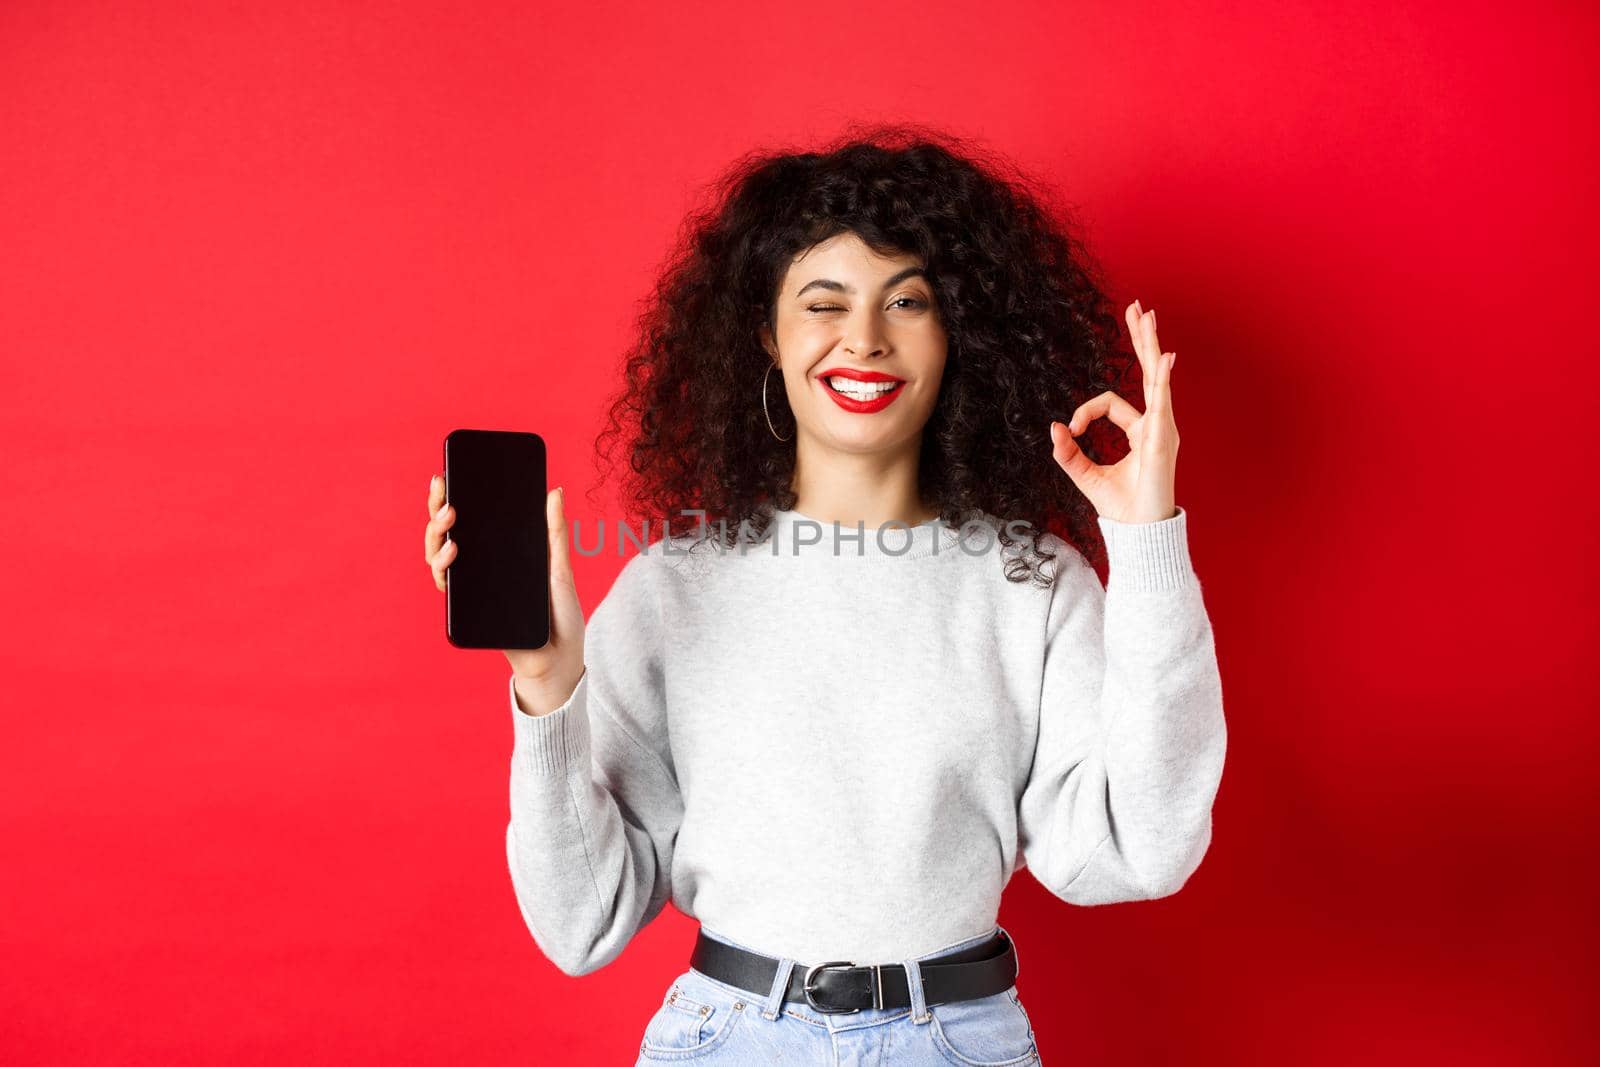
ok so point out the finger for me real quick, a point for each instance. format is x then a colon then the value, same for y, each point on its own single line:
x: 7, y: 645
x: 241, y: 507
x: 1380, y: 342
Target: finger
x: 441, y: 562
x: 1148, y: 324
x: 1069, y: 457
x: 1162, y: 401
x: 1137, y: 318
x: 1155, y: 368
x: 1108, y: 404
x: 560, y: 558
x: 552, y: 602
x: 433, y: 536
x: 566, y: 614
x: 430, y: 543
x: 1160, y: 436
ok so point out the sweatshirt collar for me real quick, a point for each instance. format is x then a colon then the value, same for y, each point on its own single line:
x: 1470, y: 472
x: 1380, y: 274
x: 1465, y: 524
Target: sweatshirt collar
x: 798, y: 534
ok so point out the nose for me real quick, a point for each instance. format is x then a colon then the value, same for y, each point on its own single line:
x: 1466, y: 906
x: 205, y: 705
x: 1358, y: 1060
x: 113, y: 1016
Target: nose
x: 865, y: 337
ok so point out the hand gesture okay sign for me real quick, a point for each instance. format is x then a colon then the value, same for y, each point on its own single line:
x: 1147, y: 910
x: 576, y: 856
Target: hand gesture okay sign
x: 1141, y: 486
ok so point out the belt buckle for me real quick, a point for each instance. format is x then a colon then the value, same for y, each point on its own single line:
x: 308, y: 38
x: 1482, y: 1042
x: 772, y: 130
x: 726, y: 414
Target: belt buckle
x: 807, y: 986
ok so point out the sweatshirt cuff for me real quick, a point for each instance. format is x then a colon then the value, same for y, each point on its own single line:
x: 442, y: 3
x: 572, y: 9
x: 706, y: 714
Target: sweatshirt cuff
x: 549, y: 744
x: 1148, y: 556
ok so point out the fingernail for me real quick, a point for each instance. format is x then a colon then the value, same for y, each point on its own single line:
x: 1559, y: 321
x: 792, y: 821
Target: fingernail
x: 1152, y: 318
x: 442, y: 509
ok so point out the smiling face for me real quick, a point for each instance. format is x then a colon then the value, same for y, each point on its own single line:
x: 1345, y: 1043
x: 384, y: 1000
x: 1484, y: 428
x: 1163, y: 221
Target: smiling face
x: 860, y: 345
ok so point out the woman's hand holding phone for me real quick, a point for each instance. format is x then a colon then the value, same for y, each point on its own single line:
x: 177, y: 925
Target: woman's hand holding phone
x: 545, y: 677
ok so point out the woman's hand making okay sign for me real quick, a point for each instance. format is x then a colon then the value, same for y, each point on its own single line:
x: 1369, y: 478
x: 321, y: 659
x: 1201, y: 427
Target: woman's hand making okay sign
x: 1141, y: 486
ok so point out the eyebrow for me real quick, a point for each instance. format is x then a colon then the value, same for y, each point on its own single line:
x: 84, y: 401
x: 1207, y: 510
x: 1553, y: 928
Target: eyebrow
x: 839, y: 287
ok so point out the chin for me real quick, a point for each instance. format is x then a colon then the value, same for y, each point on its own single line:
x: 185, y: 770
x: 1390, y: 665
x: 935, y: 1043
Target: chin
x: 866, y: 439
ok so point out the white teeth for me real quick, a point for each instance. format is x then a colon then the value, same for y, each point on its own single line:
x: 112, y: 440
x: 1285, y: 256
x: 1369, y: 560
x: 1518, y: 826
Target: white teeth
x: 861, y: 390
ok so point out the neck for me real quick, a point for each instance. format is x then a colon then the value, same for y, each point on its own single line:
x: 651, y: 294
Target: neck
x: 874, y: 488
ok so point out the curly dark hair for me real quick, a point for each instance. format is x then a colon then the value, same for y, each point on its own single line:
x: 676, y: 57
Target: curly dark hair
x: 1030, y: 336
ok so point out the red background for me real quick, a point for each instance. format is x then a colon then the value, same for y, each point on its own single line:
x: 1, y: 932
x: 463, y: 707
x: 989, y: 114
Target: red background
x: 255, y: 263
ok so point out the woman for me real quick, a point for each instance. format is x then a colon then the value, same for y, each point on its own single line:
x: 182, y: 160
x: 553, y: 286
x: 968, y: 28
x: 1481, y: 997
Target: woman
x: 834, y: 721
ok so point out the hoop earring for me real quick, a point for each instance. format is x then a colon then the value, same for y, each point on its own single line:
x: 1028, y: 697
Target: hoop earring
x: 764, y: 410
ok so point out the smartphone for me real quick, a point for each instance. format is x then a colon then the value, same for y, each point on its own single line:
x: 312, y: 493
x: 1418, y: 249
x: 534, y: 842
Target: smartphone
x: 497, y: 589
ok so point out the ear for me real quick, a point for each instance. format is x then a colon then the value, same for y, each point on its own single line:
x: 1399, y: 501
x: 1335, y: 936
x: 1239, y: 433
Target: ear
x: 767, y: 342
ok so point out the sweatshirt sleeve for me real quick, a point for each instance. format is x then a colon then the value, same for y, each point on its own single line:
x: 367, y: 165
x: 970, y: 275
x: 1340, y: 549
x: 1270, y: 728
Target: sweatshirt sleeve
x: 595, y: 806
x: 1117, y: 806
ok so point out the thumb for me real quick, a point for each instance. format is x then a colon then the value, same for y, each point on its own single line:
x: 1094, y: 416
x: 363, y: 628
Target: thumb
x: 1069, y: 457
x: 556, y: 517
x: 563, y: 587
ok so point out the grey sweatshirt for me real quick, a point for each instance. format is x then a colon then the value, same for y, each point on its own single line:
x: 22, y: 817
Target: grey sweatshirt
x: 826, y: 748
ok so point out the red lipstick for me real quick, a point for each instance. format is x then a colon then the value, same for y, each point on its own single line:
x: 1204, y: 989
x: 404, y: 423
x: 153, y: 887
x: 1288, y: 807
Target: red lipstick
x: 850, y: 403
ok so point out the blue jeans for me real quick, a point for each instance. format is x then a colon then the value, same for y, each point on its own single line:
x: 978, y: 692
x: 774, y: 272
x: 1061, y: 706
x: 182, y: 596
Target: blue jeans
x: 708, y: 1021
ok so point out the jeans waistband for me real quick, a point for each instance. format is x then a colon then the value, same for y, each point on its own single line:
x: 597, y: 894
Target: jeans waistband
x: 929, y: 957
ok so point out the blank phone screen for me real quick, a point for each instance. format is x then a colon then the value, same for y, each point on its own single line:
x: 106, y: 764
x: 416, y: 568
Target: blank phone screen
x: 497, y: 589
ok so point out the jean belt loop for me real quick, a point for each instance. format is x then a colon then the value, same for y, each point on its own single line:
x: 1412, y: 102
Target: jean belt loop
x: 780, y: 986
x: 919, y: 1003
x: 1015, y: 955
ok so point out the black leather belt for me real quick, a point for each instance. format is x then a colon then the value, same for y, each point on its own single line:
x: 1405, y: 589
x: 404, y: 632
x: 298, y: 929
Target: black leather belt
x: 842, y: 986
